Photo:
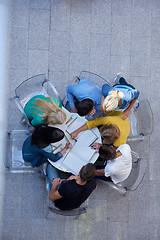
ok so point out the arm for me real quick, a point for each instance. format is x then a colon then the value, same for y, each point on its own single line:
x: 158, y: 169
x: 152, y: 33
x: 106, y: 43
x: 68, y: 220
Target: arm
x: 70, y: 95
x: 100, y: 172
x: 76, y: 132
x: 64, y: 150
x: 126, y: 112
x: 54, y: 194
x: 101, y: 107
x: 55, y: 157
x: 134, y: 94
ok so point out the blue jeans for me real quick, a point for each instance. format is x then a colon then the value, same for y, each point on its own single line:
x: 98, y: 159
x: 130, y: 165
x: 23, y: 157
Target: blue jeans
x: 52, y: 173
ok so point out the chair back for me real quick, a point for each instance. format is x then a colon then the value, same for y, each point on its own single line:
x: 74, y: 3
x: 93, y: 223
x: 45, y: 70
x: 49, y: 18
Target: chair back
x: 15, y: 162
x: 134, y: 179
x: 141, y: 120
x: 36, y: 85
x: 137, y: 173
x: 95, y: 78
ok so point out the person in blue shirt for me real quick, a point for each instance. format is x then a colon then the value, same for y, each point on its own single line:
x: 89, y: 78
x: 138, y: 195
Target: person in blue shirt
x: 122, y: 96
x: 37, y: 148
x: 84, y: 98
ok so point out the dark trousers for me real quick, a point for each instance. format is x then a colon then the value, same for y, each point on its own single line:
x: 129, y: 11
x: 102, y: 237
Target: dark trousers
x: 122, y: 81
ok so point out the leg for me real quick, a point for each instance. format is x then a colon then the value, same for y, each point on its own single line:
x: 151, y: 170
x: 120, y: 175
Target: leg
x: 52, y: 172
x: 122, y: 81
x: 119, y: 80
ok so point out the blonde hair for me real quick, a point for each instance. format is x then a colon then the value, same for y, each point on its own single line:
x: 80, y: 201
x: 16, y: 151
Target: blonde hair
x: 110, y: 102
x: 51, y: 111
x: 108, y: 133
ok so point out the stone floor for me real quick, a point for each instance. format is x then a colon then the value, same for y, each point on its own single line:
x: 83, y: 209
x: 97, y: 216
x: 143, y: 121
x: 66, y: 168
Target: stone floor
x: 61, y: 38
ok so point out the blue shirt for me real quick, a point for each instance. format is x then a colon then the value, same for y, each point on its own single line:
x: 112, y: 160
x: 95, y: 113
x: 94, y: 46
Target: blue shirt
x: 129, y: 93
x: 37, y: 156
x: 83, y: 90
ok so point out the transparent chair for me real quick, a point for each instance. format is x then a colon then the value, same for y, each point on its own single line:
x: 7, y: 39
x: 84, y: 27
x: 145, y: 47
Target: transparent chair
x: 36, y: 85
x: 75, y: 212
x: 141, y: 121
x: 93, y: 77
x: 15, y: 162
x: 133, y: 180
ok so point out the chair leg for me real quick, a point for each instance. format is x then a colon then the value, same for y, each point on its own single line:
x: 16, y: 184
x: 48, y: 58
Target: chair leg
x: 136, y: 155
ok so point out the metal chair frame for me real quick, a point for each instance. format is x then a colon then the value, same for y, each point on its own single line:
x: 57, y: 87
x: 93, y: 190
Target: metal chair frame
x: 75, y: 212
x: 124, y: 186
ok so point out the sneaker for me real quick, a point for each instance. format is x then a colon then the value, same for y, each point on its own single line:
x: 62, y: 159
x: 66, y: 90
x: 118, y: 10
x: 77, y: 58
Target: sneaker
x: 116, y: 80
x: 44, y: 168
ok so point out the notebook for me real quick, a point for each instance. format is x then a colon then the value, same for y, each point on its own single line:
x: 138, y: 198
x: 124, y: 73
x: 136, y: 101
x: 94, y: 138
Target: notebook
x: 81, y: 152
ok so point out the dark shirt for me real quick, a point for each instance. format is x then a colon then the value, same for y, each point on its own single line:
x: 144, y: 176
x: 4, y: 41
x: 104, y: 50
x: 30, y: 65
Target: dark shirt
x: 37, y: 156
x: 73, y: 194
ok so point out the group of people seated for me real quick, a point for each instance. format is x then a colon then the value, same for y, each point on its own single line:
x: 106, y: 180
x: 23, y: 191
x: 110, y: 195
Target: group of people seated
x: 108, y: 109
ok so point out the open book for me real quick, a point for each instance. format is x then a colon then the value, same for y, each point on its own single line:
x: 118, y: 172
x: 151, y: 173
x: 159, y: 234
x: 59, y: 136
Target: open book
x: 81, y: 153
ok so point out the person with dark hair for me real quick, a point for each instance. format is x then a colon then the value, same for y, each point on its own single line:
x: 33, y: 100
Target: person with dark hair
x: 72, y: 193
x: 37, y: 148
x: 85, y: 95
x: 85, y: 107
x: 119, y: 163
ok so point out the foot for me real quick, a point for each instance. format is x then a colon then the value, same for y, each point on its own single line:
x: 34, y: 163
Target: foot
x: 116, y: 80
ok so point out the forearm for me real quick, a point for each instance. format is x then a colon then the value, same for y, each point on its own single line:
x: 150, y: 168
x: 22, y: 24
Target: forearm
x: 52, y: 193
x: 100, y: 172
x: 131, y: 104
x: 64, y: 150
x: 81, y: 129
x: 70, y: 96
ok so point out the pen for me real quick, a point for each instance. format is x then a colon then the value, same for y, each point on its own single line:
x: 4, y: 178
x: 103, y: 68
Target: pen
x: 69, y: 120
x: 70, y: 135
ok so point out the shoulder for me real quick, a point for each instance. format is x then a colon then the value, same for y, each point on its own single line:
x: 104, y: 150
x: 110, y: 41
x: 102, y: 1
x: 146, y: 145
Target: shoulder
x: 66, y: 187
x: 92, y: 183
x: 125, y: 150
x: 106, y: 88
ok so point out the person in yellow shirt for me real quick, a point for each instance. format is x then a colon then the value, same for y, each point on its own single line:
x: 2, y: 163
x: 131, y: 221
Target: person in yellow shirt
x: 114, y: 130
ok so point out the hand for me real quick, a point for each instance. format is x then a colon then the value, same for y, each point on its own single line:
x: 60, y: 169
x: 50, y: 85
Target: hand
x: 74, y: 135
x: 73, y: 110
x: 126, y: 113
x: 44, y: 116
x: 56, y: 182
x: 68, y: 145
x: 92, y: 112
x: 72, y: 177
x: 96, y: 145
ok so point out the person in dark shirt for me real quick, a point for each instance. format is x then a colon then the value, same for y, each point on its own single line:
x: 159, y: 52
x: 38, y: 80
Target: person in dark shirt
x: 37, y: 148
x: 72, y: 193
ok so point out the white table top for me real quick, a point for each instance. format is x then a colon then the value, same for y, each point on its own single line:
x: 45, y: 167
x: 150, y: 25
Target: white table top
x: 59, y: 164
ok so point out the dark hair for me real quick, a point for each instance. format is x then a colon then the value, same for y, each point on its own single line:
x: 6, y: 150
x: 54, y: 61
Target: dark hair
x: 85, y: 107
x: 107, y: 152
x: 44, y: 135
x: 108, y: 133
x: 87, y: 172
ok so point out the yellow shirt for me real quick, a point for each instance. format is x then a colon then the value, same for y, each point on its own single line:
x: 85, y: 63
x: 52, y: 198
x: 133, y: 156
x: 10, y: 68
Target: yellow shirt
x: 113, y: 117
